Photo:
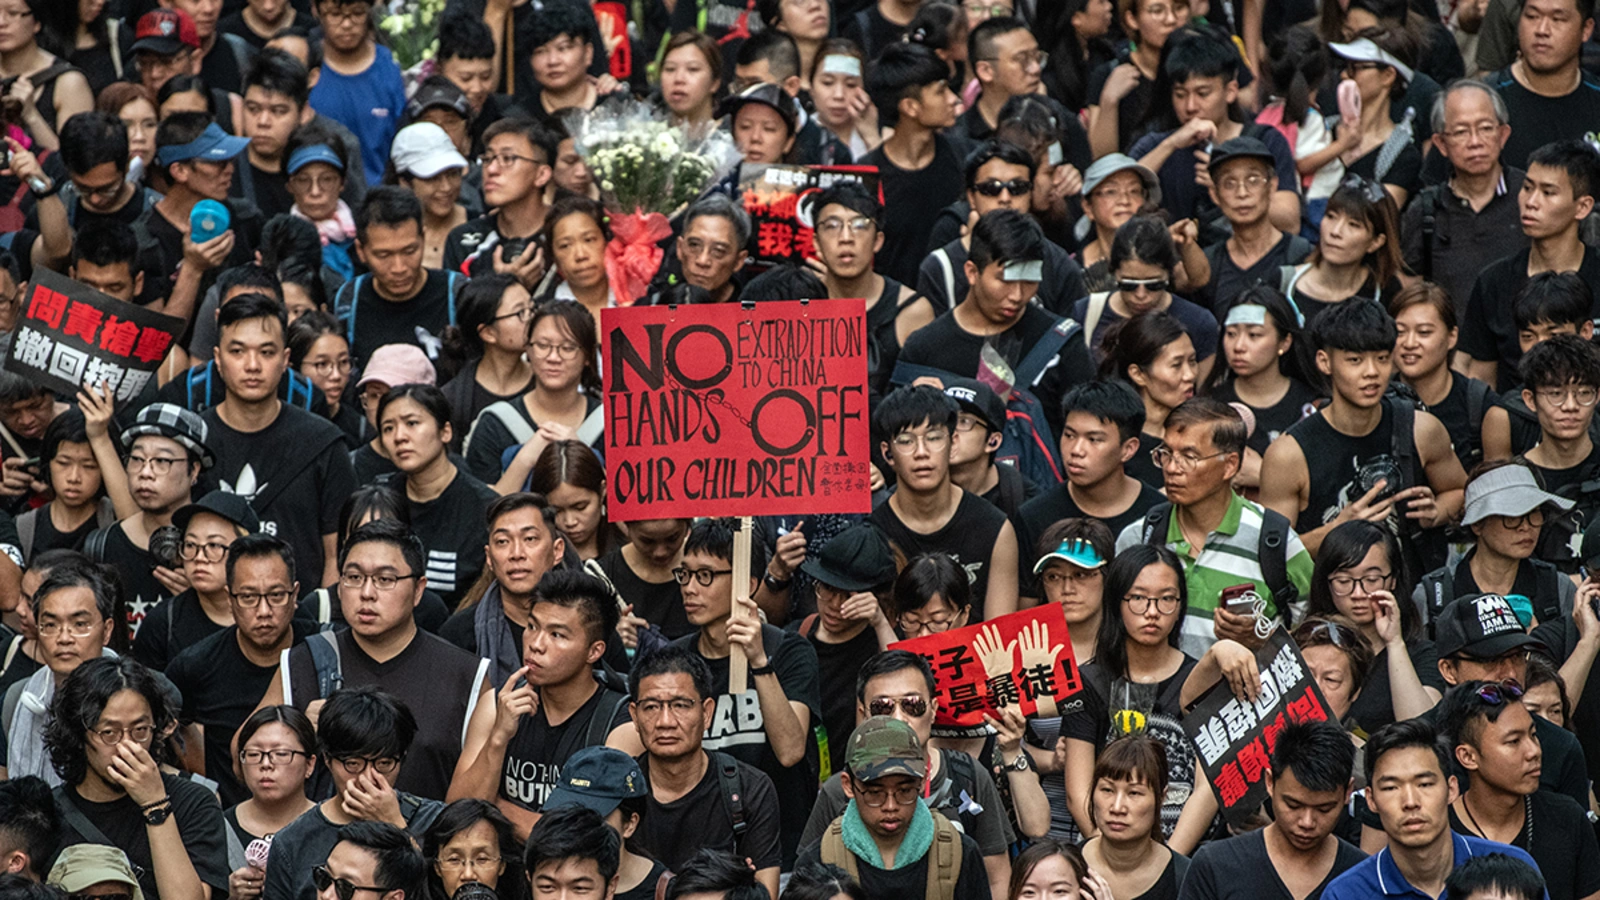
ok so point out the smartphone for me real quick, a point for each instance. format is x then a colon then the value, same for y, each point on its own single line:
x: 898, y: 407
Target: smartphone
x: 1239, y: 599
x: 207, y: 221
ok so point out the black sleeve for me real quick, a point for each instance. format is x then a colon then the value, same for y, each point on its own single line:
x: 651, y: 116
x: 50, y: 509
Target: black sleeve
x: 1587, y: 875
x: 760, y: 841
x: 1406, y: 173
x: 798, y: 671
x: 203, y: 828
x: 973, y: 882
x: 460, y: 630
x: 432, y: 612
x: 1088, y: 722
x: 178, y: 672
x: 336, y: 481
x: 1199, y: 883
x: 1477, y: 341
x: 150, y: 645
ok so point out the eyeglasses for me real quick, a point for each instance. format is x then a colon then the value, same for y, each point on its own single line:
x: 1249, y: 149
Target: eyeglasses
x: 913, y: 625
x: 475, y: 863
x: 994, y: 10
x: 1585, y: 396
x: 1496, y: 694
x: 274, y: 599
x: 327, y: 367
x: 103, y: 192
x: 966, y: 423
x: 160, y: 465
x: 1253, y: 182
x: 682, y: 574
x: 564, y: 350
x: 905, y: 795
x: 343, y: 888
x: 834, y: 225
x: 278, y: 757
x: 1109, y: 193
x: 505, y: 159
x: 933, y: 439
x: 327, y: 184
x: 915, y: 707
x: 1483, y: 131
x: 212, y: 552
x: 77, y: 629
x: 1371, y: 191
x: 1183, y: 462
x: 678, y: 706
x: 1059, y: 579
x: 994, y: 187
x: 355, y: 765
x: 1514, y: 523
x: 111, y: 735
x: 521, y: 315
x: 383, y: 581
x: 1025, y: 58
x: 351, y: 14
x: 697, y: 247
x: 1344, y: 585
x: 1361, y: 65
x: 1166, y: 605
x: 1149, y: 285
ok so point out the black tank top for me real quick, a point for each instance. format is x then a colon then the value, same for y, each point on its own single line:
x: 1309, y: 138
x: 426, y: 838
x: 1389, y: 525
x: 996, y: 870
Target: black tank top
x: 968, y: 538
x: 884, y: 348
x: 1352, y: 466
x: 1273, y: 421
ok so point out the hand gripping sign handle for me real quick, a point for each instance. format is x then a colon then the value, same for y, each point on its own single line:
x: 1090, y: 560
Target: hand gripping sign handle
x: 738, y: 667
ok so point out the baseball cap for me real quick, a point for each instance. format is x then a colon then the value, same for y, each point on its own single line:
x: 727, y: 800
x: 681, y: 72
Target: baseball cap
x: 599, y: 778
x: 1077, y: 551
x: 883, y: 746
x: 856, y: 559
x: 213, y: 144
x: 1480, y: 626
x: 1364, y: 50
x: 438, y: 92
x: 394, y: 364
x: 313, y: 153
x: 1112, y: 163
x: 1243, y: 147
x: 175, y: 422
x: 83, y: 866
x: 977, y: 398
x: 1507, y: 491
x: 769, y: 95
x: 165, y: 32
x: 232, y: 507
x: 424, y: 149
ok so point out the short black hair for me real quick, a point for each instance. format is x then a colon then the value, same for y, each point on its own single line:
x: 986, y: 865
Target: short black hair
x: 1497, y: 872
x: 1577, y: 158
x: 253, y: 305
x: 400, y: 865
x: 313, y: 48
x: 1319, y: 754
x: 178, y: 128
x: 1005, y: 151
x: 1562, y: 360
x: 278, y: 72
x: 913, y: 405
x: 69, y: 427
x: 30, y: 821
x: 1553, y: 298
x: 16, y: 886
x: 557, y: 19
x: 980, y: 40
x: 249, y: 276
x: 81, y: 573
x: 259, y: 546
x: 901, y: 71
x: 671, y: 660
x: 714, y: 537
x: 1005, y: 236
x: 1200, y: 54
x: 591, y: 597
x: 852, y: 195
x: 1145, y: 239
x: 784, y: 282
x: 573, y: 832
x: 101, y: 242
x: 888, y: 662
x: 389, y: 531
x: 1403, y: 735
x: 365, y: 721
x: 1463, y: 713
x: 1109, y: 400
x: 91, y: 139
x: 1358, y: 325
x: 464, y: 36
x: 389, y: 205
x: 716, y: 872
x: 541, y: 136
x: 288, y: 241
x: 774, y: 46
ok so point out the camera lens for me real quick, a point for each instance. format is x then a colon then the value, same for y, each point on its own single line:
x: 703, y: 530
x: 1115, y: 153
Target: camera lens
x: 475, y: 890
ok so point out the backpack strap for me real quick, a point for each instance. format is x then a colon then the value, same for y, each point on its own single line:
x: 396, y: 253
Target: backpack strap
x: 732, y: 791
x: 355, y: 301
x: 1098, y: 301
x: 600, y: 722
x: 11, y: 654
x: 1547, y: 599
x: 1272, y: 555
x: 1403, y: 439
x: 946, y: 269
x: 661, y: 884
x: 113, y: 27
x: 521, y: 431
x: 450, y: 295
x: 1393, y: 145
x: 865, y: 25
x: 592, y: 427
x: 1154, y: 520
x: 945, y: 867
x: 1477, y: 399
x: 1044, y: 352
x: 907, y: 372
x: 324, y: 606
x: 808, y: 627
x: 835, y: 853
x: 79, y: 822
x: 94, y: 546
x: 324, y: 649
x: 25, y: 527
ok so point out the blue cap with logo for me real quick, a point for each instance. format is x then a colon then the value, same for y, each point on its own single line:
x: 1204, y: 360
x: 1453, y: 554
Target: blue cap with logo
x: 213, y: 144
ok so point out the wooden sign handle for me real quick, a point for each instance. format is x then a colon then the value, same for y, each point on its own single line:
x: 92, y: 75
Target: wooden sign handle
x: 738, y: 666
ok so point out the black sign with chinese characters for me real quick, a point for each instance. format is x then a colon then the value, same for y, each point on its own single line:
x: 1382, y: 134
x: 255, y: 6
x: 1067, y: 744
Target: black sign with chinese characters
x: 779, y: 198
x: 1235, y: 738
x: 69, y: 335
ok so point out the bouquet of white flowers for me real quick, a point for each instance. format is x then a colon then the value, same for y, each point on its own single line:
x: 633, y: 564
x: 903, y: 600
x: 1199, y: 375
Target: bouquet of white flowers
x: 647, y: 170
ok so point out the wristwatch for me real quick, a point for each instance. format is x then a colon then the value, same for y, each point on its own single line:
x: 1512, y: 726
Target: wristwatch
x: 774, y: 584
x: 1024, y: 763
x: 157, y: 814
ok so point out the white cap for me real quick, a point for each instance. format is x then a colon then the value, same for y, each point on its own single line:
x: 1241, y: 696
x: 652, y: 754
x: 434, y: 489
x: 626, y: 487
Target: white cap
x: 1364, y: 50
x: 424, y: 150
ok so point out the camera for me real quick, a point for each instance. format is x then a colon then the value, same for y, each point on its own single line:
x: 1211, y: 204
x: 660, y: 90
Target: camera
x: 164, y: 545
x: 1382, y: 468
x: 475, y: 890
x: 511, y: 248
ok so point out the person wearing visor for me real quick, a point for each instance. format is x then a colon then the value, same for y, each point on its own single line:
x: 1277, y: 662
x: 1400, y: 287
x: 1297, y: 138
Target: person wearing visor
x: 428, y: 163
x: 1241, y: 185
x: 438, y: 100
x: 1116, y: 189
x: 316, y: 170
x: 1374, y: 61
x: 609, y: 782
x: 764, y: 122
x: 1505, y: 509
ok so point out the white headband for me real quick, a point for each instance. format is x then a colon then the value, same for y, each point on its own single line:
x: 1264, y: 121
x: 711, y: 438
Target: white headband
x: 1246, y: 314
x: 1023, y: 270
x: 841, y: 64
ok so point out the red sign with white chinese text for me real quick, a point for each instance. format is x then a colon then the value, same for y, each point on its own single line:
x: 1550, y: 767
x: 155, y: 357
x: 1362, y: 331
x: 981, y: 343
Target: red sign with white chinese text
x: 778, y: 198
x: 69, y: 335
x: 1023, y: 659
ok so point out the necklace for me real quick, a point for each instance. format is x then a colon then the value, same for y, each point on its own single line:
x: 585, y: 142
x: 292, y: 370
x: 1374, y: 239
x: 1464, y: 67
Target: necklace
x: 1527, y: 819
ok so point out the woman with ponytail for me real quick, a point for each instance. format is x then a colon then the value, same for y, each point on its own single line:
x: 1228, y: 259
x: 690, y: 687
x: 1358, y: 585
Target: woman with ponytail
x: 488, y: 340
x: 1297, y: 62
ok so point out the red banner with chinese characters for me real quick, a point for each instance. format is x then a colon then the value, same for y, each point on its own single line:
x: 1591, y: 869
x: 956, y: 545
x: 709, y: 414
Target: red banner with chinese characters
x: 1235, y: 738
x: 1023, y: 659
x: 728, y: 410
x: 69, y: 335
x: 778, y: 198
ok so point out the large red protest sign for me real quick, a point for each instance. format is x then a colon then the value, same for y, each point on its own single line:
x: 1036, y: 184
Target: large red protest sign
x: 69, y: 335
x: 779, y: 198
x: 728, y: 409
x: 1023, y: 659
x: 1234, y: 738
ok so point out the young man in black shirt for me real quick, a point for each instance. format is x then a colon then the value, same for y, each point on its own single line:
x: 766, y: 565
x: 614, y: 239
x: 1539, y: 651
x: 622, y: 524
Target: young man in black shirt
x: 275, y: 91
x: 549, y: 708
x: 94, y: 163
x: 219, y: 677
x: 979, y: 425
x: 1242, y: 178
x: 693, y: 792
x: 398, y: 301
x: 106, y: 258
x: 641, y: 571
x: 609, y: 784
x: 373, y: 853
x: 1558, y: 193
x: 517, y: 157
x: 918, y: 168
x: 297, y: 494
x: 574, y: 853
x: 523, y: 545
x: 1103, y: 421
x: 880, y: 25
x: 1309, y: 784
x: 1007, y: 62
x: 1493, y: 736
x: 1561, y: 379
x: 170, y: 827
x: 1548, y: 93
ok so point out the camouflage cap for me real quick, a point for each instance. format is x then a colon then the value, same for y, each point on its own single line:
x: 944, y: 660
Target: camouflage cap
x: 883, y: 746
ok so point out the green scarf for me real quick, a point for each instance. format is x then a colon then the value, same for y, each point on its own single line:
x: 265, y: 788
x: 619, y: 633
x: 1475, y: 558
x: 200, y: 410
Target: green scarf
x: 919, y: 837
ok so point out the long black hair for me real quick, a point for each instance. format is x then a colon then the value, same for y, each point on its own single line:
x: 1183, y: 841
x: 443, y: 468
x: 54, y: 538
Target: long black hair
x: 1344, y: 547
x: 82, y: 699
x: 1111, y: 649
x: 1298, y: 363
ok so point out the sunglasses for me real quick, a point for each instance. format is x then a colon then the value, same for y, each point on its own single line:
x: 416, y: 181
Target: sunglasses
x: 1153, y: 285
x: 344, y: 889
x: 1496, y: 694
x: 915, y: 707
x: 1371, y: 191
x: 994, y: 187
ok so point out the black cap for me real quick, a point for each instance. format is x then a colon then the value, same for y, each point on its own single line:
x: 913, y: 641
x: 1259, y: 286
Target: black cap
x: 766, y: 94
x: 857, y: 559
x: 232, y: 507
x: 1240, y: 148
x: 438, y: 92
x: 973, y: 396
x: 599, y: 778
x: 1480, y: 626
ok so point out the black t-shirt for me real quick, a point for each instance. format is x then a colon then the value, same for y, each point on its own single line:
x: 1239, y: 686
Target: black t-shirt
x: 1240, y: 868
x: 535, y: 753
x: 1373, y: 708
x: 161, y: 246
x: 418, y: 320
x: 1455, y: 414
x: 878, y: 33
x: 1338, y: 460
x: 436, y: 680
x: 1011, y: 490
x: 1196, y: 320
x: 1537, y: 120
x: 1061, y: 287
x: 15, y: 665
x: 1037, y: 515
x: 1557, y: 543
x: 172, y: 627
x: 1405, y: 173
x: 1489, y: 333
x: 490, y: 438
x: 134, y: 566
x: 295, y: 473
x: 234, y: 24
x: 1229, y: 281
x: 1185, y: 199
x: 220, y: 689
x: 836, y: 670
x: 673, y: 832
x: 430, y: 613
x: 453, y: 529
x: 471, y: 247
x: 1297, y: 403
x: 645, y: 889
x: 1561, y: 636
x: 912, y: 880
x: 659, y: 604
x: 46, y: 537
x: 911, y: 204
x: 199, y: 820
x: 461, y: 629
x: 738, y: 728
x: 1131, y: 110
x: 269, y: 191
x: 1558, y: 836
x: 968, y: 538
x: 220, y: 68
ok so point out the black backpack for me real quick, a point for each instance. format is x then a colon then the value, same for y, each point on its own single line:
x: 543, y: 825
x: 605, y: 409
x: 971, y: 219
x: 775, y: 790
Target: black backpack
x: 1438, y: 591
x: 1272, y: 551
